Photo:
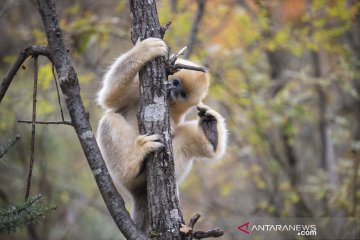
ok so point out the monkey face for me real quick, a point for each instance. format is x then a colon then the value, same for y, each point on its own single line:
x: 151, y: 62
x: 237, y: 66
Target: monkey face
x: 187, y: 88
x: 176, y: 92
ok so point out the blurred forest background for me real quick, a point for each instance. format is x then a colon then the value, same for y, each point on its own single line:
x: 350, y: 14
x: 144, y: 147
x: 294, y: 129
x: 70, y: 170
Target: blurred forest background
x: 285, y: 74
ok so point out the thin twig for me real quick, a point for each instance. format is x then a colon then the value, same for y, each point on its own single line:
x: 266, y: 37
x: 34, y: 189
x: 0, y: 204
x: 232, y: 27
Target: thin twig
x: 179, y: 66
x: 47, y: 123
x: 12, y: 142
x: 355, y: 181
x: 170, y: 62
x: 32, y: 146
x: 172, y: 68
x: 24, y: 54
x: 164, y: 28
x: 200, y: 234
x: 57, y: 91
x: 174, y: 57
x: 194, y: 219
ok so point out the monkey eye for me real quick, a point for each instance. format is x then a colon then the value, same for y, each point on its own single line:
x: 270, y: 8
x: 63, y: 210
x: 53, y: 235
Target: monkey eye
x: 176, y: 82
x: 183, y: 94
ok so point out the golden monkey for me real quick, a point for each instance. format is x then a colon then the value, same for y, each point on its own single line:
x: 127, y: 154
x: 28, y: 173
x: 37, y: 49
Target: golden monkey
x: 124, y: 149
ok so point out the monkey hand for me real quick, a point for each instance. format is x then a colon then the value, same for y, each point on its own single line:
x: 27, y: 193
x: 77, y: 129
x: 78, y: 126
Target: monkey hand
x: 150, y: 48
x: 148, y: 143
x: 208, y: 123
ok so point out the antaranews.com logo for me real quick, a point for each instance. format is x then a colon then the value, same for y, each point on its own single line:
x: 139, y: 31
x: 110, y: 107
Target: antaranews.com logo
x: 302, y: 230
x: 267, y: 228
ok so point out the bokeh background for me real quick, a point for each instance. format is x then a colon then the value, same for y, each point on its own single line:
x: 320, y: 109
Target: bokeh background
x: 284, y: 73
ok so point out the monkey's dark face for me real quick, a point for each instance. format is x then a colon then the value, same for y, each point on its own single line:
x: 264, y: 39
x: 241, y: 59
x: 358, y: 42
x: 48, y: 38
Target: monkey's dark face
x: 186, y: 89
x: 177, y: 91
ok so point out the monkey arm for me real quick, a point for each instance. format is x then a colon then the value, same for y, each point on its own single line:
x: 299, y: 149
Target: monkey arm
x: 115, y: 92
x: 204, y: 138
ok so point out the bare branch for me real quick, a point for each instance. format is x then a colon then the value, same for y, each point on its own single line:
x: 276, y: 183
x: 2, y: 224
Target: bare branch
x: 194, y: 219
x: 184, y: 66
x: 212, y: 233
x: 172, y: 68
x: 188, y: 230
x: 355, y: 181
x: 181, y: 52
x: 164, y: 28
x: 58, y: 94
x: 4, y: 148
x: 47, y: 123
x: 171, y: 60
x: 24, y: 54
x: 32, y: 146
x: 70, y: 87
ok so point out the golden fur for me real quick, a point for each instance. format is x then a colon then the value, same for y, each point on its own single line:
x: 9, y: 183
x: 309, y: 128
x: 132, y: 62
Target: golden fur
x: 124, y: 149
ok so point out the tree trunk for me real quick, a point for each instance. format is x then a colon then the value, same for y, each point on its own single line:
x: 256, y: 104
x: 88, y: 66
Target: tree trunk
x: 327, y: 152
x: 164, y: 209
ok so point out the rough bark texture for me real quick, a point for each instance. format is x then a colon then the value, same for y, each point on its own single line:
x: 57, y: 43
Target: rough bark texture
x: 79, y: 117
x: 164, y: 209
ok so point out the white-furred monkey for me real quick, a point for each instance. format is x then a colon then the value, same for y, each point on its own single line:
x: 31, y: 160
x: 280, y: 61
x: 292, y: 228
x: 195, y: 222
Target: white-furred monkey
x: 124, y: 149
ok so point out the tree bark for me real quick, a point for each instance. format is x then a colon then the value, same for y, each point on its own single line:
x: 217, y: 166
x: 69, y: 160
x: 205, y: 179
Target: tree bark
x: 164, y: 209
x: 70, y: 87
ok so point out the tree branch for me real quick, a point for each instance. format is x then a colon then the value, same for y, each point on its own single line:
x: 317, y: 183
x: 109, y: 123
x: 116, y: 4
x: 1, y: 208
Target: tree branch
x: 32, y: 146
x: 212, y: 233
x: 193, y: 220
x: 47, y: 123
x: 70, y: 87
x: 57, y: 92
x: 24, y: 54
x: 4, y: 148
x: 172, y: 68
x: 179, y: 66
x: 164, y: 28
x: 189, y: 234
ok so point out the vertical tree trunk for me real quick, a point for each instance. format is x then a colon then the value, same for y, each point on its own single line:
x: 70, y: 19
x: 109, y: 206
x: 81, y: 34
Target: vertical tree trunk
x: 327, y: 152
x: 153, y: 117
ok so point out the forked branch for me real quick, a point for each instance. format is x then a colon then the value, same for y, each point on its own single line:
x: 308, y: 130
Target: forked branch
x: 190, y: 234
x: 57, y: 53
x: 172, y: 67
x: 33, y: 51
